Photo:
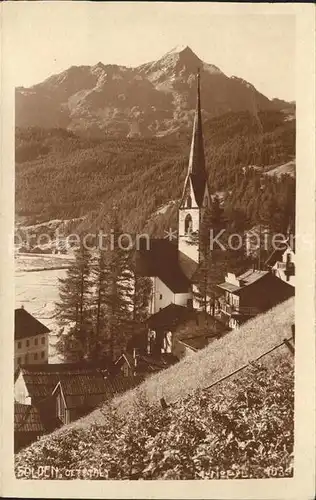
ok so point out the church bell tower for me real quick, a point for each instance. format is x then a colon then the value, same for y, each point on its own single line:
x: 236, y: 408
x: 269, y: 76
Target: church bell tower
x: 195, y: 197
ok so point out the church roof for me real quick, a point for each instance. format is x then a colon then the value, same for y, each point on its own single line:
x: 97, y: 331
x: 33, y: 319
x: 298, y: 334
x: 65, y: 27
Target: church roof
x: 187, y: 265
x: 161, y: 260
x: 196, y: 167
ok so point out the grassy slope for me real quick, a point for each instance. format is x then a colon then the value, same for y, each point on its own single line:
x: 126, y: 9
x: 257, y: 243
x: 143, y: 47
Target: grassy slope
x: 244, y: 422
x: 220, y: 358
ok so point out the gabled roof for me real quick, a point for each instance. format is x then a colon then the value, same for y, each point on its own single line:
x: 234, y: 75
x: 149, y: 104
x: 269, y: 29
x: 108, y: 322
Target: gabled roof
x: 251, y: 276
x: 188, y: 266
x: 125, y: 358
x: 274, y: 257
x: 89, y: 390
x: 161, y: 260
x: 246, y: 279
x: 229, y: 287
x: 41, y: 379
x: 25, y: 325
x: 169, y: 316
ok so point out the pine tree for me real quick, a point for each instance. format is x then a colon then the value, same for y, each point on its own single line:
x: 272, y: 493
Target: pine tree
x: 73, y: 309
x: 141, y: 295
x: 100, y: 274
x: 113, y: 288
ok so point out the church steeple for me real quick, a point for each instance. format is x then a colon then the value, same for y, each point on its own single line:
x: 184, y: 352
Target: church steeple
x: 195, y: 196
x: 196, y: 167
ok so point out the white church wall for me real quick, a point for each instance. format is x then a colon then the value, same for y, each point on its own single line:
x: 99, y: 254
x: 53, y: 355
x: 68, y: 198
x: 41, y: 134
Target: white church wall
x: 163, y: 296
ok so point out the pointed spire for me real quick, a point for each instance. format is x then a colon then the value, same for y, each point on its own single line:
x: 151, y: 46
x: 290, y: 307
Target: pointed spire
x: 196, y: 168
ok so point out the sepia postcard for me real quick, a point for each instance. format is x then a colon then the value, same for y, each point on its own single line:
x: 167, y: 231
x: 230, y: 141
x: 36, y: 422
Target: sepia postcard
x: 158, y: 250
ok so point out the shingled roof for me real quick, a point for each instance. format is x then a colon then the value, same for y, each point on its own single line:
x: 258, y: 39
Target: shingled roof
x: 246, y: 279
x: 27, y: 419
x: 90, y: 389
x: 25, y: 325
x: 41, y: 379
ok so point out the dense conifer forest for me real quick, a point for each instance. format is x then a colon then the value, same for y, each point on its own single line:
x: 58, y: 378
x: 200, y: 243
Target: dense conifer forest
x: 63, y: 175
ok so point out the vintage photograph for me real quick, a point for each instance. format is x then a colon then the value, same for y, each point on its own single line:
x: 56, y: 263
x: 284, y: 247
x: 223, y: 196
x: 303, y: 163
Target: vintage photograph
x: 154, y: 244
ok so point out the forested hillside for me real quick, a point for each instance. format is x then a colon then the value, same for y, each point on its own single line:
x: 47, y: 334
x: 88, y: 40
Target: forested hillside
x: 62, y: 175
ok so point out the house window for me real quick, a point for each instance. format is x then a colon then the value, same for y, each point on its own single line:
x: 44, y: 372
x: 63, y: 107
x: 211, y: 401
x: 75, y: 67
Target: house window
x: 19, y: 360
x: 27, y: 343
x: 19, y: 345
x: 43, y: 354
x: 26, y: 359
x: 35, y: 341
x: 43, y: 340
x: 160, y: 296
x: 35, y: 356
x: 188, y: 224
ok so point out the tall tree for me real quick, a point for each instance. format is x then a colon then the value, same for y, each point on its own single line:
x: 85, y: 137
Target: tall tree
x: 99, y: 274
x: 113, y: 289
x: 73, y: 308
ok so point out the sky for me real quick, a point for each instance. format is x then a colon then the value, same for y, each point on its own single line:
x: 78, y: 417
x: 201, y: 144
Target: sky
x: 44, y: 38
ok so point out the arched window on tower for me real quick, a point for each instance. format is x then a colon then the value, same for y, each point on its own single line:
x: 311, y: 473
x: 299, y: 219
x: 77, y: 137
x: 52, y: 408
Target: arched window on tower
x: 189, y: 202
x: 188, y: 224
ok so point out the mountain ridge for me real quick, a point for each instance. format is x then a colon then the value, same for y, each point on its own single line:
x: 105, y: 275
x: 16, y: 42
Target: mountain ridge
x: 153, y: 99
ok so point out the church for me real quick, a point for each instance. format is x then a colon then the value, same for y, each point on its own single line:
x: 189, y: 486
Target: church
x: 171, y: 266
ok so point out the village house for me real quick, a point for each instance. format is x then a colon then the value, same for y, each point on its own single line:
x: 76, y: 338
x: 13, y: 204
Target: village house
x: 249, y: 294
x: 196, y: 333
x: 50, y: 395
x: 30, y: 339
x: 79, y: 395
x: 143, y: 365
x: 281, y: 262
x: 34, y: 383
x: 172, y: 333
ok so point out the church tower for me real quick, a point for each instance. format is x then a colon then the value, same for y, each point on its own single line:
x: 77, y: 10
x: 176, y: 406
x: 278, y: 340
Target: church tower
x: 195, y: 197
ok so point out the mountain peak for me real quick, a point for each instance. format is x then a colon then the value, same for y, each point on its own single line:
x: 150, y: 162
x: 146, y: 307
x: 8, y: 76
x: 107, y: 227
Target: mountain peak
x: 180, y: 48
x: 182, y: 51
